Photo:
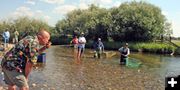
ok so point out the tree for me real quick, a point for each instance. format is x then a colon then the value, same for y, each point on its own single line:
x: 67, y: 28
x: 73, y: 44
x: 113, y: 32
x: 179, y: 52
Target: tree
x: 23, y: 24
x: 137, y: 21
x: 131, y: 21
x: 93, y: 22
x: 168, y: 30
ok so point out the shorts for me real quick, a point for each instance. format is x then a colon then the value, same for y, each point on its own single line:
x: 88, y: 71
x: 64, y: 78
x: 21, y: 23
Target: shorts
x: 15, y: 78
x: 80, y: 49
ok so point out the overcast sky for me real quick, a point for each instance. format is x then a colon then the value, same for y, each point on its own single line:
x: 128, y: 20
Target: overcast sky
x: 53, y: 10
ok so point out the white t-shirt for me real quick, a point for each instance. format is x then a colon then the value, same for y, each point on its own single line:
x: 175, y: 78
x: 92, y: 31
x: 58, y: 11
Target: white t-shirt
x: 82, y: 41
x: 122, y: 49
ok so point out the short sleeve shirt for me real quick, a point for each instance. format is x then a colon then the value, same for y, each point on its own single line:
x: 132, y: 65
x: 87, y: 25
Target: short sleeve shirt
x: 25, y: 49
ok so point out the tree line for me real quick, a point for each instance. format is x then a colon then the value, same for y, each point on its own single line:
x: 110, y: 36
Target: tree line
x: 131, y: 21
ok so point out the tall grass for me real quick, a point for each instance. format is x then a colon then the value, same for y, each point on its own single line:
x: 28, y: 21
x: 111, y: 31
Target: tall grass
x: 177, y: 42
x: 154, y: 47
x: 144, y: 47
x: 151, y: 47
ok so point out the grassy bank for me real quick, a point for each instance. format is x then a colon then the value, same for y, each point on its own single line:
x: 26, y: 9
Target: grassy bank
x: 160, y: 48
x: 152, y: 47
x: 177, y: 42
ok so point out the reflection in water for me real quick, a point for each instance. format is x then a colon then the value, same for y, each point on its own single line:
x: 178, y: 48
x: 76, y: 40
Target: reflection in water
x: 61, y: 73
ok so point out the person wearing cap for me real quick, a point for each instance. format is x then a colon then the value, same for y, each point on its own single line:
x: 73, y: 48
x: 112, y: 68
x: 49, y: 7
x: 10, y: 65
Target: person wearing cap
x: 124, y: 51
x: 17, y: 63
x: 6, y: 36
x: 81, y: 47
x: 99, y: 48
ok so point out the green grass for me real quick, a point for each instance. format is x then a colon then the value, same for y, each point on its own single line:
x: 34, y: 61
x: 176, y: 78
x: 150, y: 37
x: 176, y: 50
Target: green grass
x: 152, y: 47
x: 177, y: 42
x: 139, y: 46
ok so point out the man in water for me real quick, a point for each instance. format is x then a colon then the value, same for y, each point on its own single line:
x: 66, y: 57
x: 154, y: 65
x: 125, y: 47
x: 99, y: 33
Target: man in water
x: 18, y: 62
x: 124, y: 51
x: 99, y: 48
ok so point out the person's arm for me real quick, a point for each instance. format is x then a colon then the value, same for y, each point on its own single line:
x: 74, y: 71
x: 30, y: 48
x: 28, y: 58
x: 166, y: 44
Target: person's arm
x: 44, y: 48
x: 71, y: 42
x: 3, y: 35
x: 9, y: 35
x: 128, y: 52
x: 120, y: 49
x: 33, y: 55
x: 28, y: 68
x: 17, y: 33
x: 102, y: 45
x: 84, y: 40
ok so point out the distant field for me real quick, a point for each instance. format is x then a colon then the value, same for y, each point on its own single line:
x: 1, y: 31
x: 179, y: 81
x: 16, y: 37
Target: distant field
x: 177, y: 42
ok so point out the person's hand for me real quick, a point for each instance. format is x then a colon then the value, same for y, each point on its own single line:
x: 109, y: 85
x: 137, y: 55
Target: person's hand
x: 20, y: 53
x: 48, y: 44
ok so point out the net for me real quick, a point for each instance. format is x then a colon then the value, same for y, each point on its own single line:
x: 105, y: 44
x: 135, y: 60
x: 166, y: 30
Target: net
x: 133, y: 63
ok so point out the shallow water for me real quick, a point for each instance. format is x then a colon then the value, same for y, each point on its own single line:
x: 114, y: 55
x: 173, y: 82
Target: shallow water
x: 61, y: 73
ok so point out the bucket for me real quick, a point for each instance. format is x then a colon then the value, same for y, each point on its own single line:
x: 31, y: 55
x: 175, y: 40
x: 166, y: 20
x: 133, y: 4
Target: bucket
x: 42, y: 58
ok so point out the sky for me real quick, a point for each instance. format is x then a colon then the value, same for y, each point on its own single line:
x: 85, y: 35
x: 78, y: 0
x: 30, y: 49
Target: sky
x: 51, y: 11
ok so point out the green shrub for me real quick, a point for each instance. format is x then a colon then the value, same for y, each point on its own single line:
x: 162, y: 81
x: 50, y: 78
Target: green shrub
x: 154, y: 47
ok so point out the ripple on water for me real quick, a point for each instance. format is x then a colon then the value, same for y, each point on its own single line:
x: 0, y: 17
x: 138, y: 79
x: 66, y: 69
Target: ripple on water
x: 61, y: 73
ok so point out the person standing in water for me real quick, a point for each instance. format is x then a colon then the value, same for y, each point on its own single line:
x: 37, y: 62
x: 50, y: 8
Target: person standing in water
x: 75, y: 44
x: 81, y: 47
x: 99, y: 48
x: 16, y: 35
x: 124, y: 52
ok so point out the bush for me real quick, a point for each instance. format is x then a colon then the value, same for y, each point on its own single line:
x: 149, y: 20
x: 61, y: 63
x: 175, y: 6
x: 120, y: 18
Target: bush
x: 154, y: 47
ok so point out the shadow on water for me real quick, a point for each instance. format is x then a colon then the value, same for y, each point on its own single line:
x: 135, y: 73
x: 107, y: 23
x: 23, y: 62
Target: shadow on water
x: 61, y: 73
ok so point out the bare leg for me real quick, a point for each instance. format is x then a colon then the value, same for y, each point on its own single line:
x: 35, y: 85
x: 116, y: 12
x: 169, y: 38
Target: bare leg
x: 79, y: 57
x: 11, y: 87
x: 75, y: 55
x: 24, y: 88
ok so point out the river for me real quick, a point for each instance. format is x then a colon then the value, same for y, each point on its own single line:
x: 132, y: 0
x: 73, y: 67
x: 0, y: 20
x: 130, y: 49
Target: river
x: 61, y: 73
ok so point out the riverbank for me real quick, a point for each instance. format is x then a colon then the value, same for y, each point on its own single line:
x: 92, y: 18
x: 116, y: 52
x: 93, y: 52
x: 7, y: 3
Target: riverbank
x: 177, y: 42
x: 146, y: 47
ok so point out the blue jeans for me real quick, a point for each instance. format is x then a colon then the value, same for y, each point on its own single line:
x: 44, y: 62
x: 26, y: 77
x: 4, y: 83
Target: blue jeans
x: 6, y: 41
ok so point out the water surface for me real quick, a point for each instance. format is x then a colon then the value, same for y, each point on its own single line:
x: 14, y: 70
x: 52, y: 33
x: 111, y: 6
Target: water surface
x: 61, y: 73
